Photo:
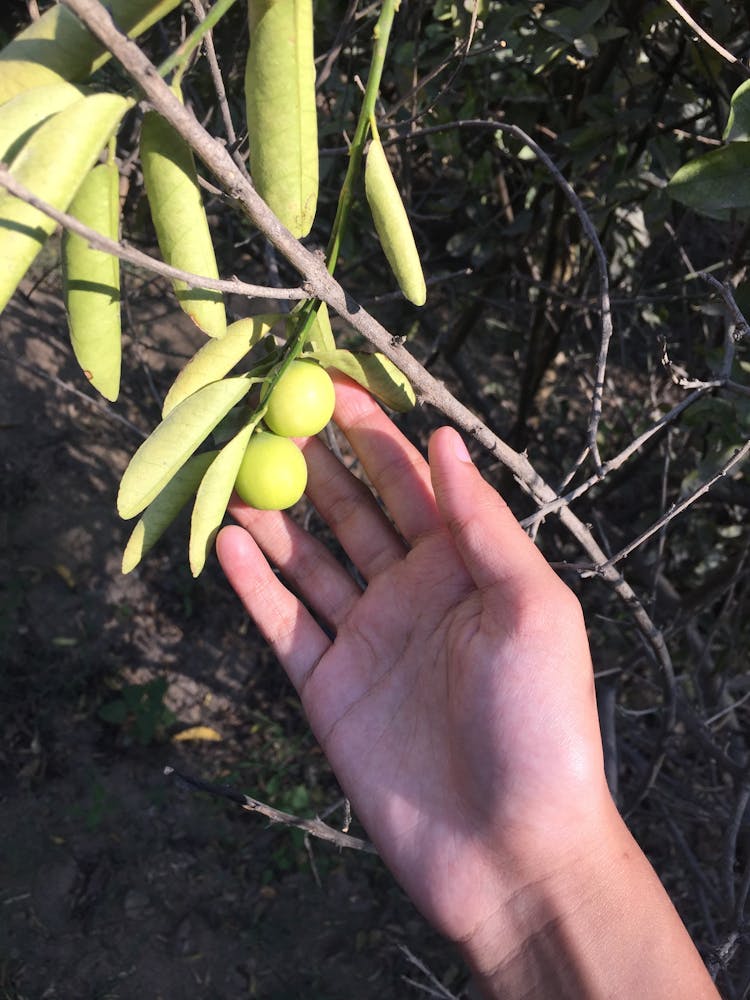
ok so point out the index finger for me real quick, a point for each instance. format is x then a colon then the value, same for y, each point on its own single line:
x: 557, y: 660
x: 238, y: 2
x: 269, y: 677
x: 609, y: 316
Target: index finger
x: 393, y: 465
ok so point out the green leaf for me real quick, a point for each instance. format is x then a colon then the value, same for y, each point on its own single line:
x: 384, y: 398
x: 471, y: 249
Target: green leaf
x: 57, y: 46
x: 91, y: 281
x: 281, y: 112
x: 375, y: 372
x: 175, y: 439
x: 320, y: 337
x: 53, y: 165
x: 738, y: 122
x: 716, y: 183
x: 164, y: 509
x: 218, y: 357
x: 20, y: 116
x: 176, y: 204
x: 213, y: 496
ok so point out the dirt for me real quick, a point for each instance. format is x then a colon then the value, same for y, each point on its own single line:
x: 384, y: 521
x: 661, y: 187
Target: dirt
x: 115, y: 880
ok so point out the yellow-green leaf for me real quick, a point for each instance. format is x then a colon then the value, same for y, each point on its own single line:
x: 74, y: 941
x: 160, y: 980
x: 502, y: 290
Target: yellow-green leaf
x: 197, y: 733
x: 218, y: 357
x: 392, y: 224
x: 20, y: 116
x: 91, y: 281
x: 281, y: 113
x: 57, y: 46
x: 52, y: 164
x: 375, y: 372
x: 213, y: 496
x: 320, y: 337
x: 179, y: 217
x: 175, y: 439
x: 164, y: 509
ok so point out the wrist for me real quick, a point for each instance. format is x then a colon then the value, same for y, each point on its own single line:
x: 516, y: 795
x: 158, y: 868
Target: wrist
x: 596, y: 923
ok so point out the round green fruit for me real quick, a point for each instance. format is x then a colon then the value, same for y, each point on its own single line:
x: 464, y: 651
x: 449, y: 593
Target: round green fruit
x: 302, y: 401
x: 273, y: 473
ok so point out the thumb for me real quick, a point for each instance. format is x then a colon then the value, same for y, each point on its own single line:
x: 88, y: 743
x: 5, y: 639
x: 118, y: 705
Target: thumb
x: 492, y: 544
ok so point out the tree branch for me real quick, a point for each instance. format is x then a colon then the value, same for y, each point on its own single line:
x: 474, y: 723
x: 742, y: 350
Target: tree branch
x: 137, y: 257
x: 315, y: 827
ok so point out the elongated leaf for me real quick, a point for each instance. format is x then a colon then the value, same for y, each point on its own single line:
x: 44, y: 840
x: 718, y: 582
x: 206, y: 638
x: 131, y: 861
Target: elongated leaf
x: 180, y: 221
x: 175, y: 439
x: 392, y: 224
x: 91, y: 282
x: 58, y: 46
x: 213, y: 496
x: 281, y: 113
x: 52, y: 164
x: 20, y: 116
x: 321, y: 334
x: 164, y: 509
x: 716, y: 183
x: 375, y: 372
x: 738, y: 122
x: 218, y: 357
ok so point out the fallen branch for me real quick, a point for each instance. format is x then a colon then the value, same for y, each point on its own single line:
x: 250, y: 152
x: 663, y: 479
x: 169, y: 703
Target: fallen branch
x: 315, y: 827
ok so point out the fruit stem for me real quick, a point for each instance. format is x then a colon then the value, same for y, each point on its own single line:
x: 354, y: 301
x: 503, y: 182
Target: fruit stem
x: 381, y: 34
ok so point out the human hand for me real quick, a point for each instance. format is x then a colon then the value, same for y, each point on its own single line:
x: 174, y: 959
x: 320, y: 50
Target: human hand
x: 456, y: 703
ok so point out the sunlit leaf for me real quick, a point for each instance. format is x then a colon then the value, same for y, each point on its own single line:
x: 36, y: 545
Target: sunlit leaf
x: 281, y: 112
x: 20, y: 116
x: 738, y: 122
x: 197, y: 733
x: 179, y: 218
x: 716, y: 183
x: 218, y: 357
x: 320, y: 337
x: 164, y: 509
x: 52, y: 164
x: 58, y: 46
x: 91, y: 281
x: 174, y: 441
x: 375, y: 372
x: 213, y: 496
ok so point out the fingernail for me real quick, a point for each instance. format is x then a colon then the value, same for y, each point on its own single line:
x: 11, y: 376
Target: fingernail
x: 459, y: 448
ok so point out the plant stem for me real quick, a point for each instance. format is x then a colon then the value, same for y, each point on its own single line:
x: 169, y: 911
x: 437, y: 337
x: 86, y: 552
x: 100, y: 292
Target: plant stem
x: 381, y: 34
x: 183, y: 52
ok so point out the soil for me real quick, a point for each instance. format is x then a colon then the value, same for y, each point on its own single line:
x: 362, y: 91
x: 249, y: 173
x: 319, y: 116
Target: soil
x: 116, y: 881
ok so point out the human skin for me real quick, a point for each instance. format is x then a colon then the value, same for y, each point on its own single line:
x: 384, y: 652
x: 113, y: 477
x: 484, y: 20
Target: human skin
x: 456, y: 705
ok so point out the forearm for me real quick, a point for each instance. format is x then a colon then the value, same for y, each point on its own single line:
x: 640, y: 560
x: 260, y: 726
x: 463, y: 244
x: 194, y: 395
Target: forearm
x: 603, y: 929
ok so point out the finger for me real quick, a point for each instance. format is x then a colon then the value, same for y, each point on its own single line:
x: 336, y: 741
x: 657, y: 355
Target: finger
x: 349, y: 508
x: 304, y: 562
x: 491, y: 542
x: 295, y: 637
x: 394, y: 466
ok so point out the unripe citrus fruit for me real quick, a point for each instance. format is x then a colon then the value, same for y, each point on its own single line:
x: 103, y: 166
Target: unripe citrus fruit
x: 302, y: 401
x: 273, y: 473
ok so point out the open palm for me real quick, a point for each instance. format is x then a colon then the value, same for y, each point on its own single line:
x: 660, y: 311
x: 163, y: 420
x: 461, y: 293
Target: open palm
x: 456, y: 701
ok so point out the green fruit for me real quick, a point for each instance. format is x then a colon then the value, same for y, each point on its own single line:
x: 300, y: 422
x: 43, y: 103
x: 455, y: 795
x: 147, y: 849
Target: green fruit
x: 302, y: 401
x: 273, y: 473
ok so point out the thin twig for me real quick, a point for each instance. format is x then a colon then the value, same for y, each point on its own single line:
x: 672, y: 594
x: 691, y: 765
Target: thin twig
x: 137, y: 257
x: 315, y: 827
x: 737, y: 457
x: 703, y: 34
x: 221, y: 91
